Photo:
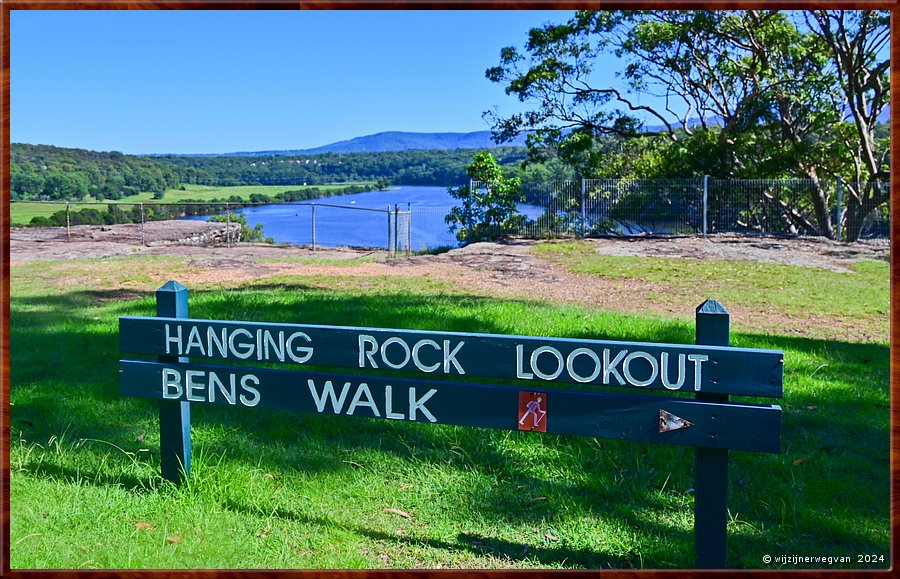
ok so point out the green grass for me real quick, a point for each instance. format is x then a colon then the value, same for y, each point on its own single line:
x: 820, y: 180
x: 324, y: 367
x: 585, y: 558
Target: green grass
x: 207, y: 193
x: 22, y: 213
x: 272, y: 489
x: 791, y: 290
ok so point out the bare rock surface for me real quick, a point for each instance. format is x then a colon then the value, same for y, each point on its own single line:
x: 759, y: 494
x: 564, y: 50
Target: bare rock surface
x: 508, y: 269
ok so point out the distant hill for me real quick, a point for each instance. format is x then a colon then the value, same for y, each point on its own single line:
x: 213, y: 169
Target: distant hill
x: 395, y: 141
x: 884, y: 117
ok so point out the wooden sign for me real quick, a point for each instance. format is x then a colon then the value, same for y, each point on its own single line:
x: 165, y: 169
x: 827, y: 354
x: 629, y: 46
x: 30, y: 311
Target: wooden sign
x: 622, y: 416
x: 636, y: 365
x: 709, y: 371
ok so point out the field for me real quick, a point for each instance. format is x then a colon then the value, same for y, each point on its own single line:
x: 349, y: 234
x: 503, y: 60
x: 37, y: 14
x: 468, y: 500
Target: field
x: 275, y: 490
x: 22, y: 213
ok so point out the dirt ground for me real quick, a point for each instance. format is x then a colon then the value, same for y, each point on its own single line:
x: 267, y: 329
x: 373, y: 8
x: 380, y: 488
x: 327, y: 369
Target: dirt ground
x: 508, y: 269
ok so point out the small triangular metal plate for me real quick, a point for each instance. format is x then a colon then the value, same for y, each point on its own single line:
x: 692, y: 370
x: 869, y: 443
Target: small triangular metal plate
x: 668, y: 421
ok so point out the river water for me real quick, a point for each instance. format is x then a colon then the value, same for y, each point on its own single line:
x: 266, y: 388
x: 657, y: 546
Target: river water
x: 362, y: 219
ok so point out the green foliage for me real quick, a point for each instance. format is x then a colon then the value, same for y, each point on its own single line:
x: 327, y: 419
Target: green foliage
x: 114, y: 175
x: 417, y: 167
x: 488, y: 209
x: 248, y: 234
x: 768, y: 93
x: 51, y: 173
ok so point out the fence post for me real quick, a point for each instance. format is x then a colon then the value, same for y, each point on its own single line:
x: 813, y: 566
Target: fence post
x: 711, y: 464
x: 174, y: 415
x: 471, y: 196
x: 142, y: 225
x: 705, y: 204
x: 408, y: 228
x: 837, y: 221
x: 68, y: 224
x: 227, y: 225
x: 389, y: 229
x: 583, y: 214
x: 396, y: 228
x: 314, y: 226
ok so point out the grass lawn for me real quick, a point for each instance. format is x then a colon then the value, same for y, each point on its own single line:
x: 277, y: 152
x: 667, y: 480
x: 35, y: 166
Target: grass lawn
x: 794, y: 292
x: 21, y: 213
x: 207, y: 193
x: 276, y: 490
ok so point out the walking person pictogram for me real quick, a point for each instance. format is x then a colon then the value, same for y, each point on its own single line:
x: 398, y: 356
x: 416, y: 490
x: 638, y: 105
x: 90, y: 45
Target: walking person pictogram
x: 531, y: 414
x: 534, y: 408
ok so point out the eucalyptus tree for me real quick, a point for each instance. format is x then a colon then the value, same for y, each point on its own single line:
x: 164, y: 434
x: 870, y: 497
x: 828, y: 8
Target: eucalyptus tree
x: 857, y: 42
x: 743, y: 94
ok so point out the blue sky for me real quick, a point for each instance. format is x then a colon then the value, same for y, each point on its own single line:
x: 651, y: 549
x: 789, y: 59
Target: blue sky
x: 223, y: 81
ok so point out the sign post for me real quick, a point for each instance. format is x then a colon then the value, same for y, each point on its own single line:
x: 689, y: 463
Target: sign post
x: 711, y: 464
x: 174, y: 415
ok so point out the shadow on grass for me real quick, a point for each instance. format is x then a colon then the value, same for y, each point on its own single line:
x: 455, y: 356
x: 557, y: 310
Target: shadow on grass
x: 64, y: 353
x: 97, y: 477
x: 477, y: 544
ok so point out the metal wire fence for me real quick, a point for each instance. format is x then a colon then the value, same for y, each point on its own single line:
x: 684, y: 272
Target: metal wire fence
x: 763, y: 207
x: 215, y: 223
x: 579, y: 208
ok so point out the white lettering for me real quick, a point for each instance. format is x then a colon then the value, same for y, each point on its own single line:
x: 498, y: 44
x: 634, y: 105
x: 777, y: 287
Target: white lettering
x: 305, y: 353
x: 403, y: 345
x: 570, y: 364
x: 419, y: 404
x: 194, y: 341
x: 171, y: 379
x: 451, y: 358
x: 245, y: 384
x: 214, y: 383
x: 278, y: 346
x: 559, y: 362
x: 389, y: 404
x: 626, y: 368
x: 190, y: 386
x: 418, y: 362
x: 328, y: 393
x: 664, y: 372
x: 246, y: 346
x: 367, y: 354
x: 170, y: 339
x: 698, y: 360
x: 363, y: 389
x: 520, y: 373
x: 610, y: 367
x: 220, y: 345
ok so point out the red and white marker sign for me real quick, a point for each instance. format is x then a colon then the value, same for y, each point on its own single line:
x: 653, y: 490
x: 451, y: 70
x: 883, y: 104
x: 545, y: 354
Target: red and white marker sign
x: 533, y: 411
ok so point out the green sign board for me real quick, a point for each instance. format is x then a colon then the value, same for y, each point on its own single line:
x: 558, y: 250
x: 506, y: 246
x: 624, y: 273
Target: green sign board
x: 532, y: 360
x: 641, y: 418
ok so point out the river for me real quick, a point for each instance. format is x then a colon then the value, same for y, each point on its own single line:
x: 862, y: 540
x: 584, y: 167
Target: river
x: 362, y: 219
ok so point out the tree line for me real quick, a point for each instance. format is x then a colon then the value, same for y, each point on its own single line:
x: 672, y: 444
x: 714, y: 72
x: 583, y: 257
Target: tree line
x: 43, y: 172
x: 115, y: 214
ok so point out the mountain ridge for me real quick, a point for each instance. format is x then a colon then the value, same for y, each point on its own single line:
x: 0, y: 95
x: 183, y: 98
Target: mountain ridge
x: 388, y: 141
